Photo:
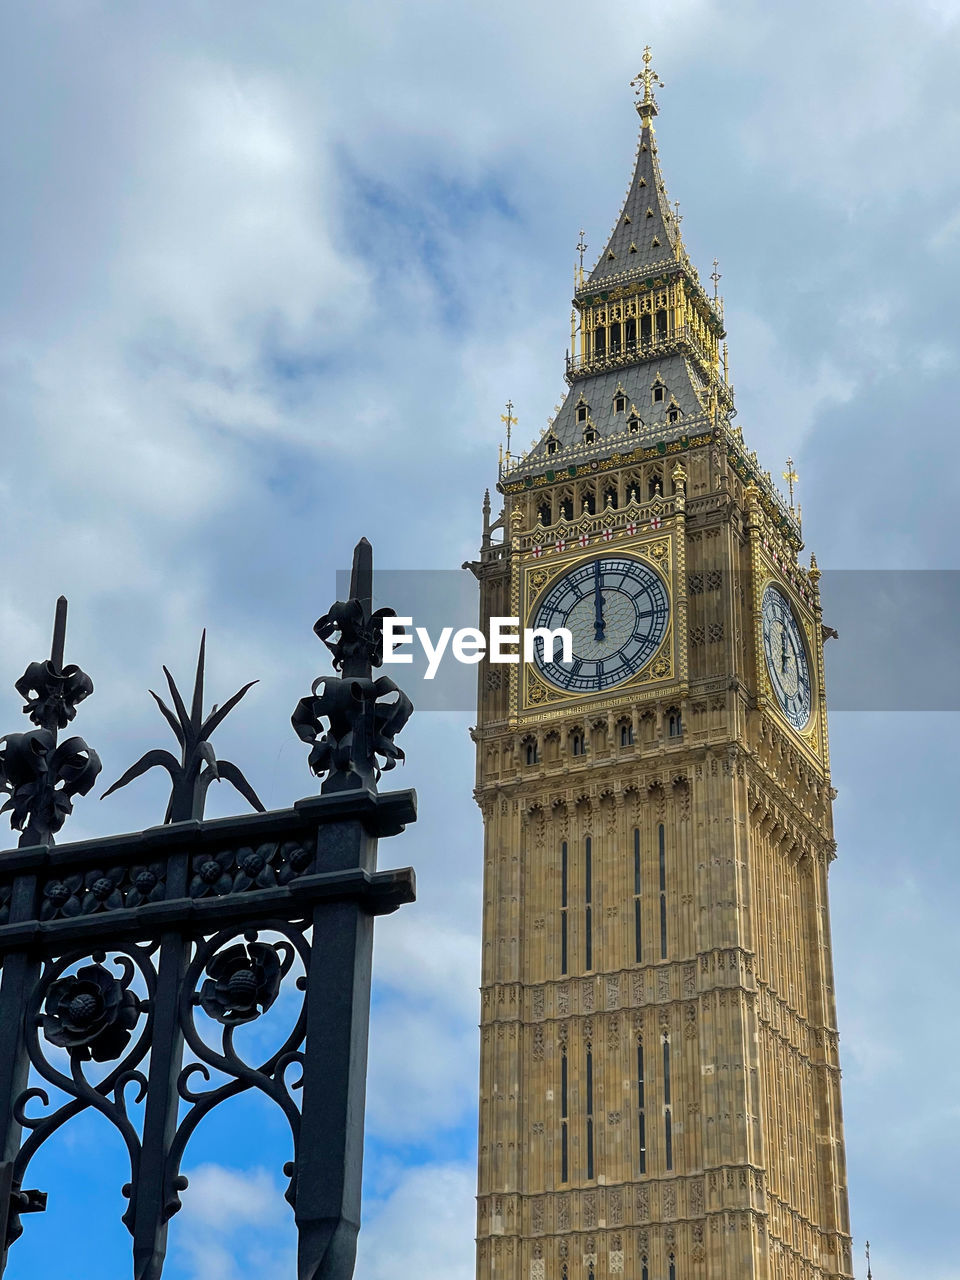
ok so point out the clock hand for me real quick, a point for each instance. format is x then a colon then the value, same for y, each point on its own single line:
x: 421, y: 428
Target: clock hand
x: 598, y: 603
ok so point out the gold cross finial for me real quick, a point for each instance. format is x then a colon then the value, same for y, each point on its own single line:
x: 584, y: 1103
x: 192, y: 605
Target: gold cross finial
x: 646, y: 78
x: 791, y: 478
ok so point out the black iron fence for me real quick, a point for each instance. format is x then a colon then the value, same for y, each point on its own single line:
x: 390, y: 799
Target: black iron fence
x: 119, y: 955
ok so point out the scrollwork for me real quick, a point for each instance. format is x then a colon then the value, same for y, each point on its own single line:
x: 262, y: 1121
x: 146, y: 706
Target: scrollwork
x: 92, y: 1013
x: 233, y: 983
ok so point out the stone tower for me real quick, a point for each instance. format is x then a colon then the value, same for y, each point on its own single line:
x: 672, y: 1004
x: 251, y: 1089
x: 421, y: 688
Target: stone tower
x: 659, y: 1087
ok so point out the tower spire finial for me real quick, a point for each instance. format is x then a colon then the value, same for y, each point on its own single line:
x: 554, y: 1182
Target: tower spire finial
x: 646, y: 105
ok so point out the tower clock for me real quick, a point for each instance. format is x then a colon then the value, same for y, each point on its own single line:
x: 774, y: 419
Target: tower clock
x: 659, y: 1081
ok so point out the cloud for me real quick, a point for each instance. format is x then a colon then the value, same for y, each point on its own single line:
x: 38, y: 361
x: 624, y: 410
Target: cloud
x: 424, y: 1227
x: 234, y: 1225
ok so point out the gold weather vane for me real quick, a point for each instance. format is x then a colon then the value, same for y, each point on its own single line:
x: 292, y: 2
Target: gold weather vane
x: 647, y: 78
x: 791, y: 478
x: 582, y: 247
x: 511, y: 422
x: 716, y: 277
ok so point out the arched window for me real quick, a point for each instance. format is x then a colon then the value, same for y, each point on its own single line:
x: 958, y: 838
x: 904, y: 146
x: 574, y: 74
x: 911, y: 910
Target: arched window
x: 577, y: 745
x: 626, y: 734
x: 532, y: 756
x: 544, y: 513
x: 655, y: 483
x: 610, y: 497
x: 674, y: 723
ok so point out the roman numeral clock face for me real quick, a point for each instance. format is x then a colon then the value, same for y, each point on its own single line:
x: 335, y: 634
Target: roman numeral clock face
x: 786, y: 657
x: 617, y: 611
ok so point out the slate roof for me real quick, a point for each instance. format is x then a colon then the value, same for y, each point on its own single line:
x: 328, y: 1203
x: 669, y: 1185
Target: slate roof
x: 646, y: 217
x: 682, y: 385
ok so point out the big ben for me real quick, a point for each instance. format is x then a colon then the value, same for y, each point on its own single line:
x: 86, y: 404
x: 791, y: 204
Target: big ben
x: 659, y: 1079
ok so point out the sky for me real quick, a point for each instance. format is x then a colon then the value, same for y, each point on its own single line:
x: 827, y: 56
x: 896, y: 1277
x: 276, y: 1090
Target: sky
x: 268, y: 275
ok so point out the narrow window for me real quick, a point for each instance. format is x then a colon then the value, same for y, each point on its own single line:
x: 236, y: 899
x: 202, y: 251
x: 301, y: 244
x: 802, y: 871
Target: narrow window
x: 563, y: 907
x: 589, y: 1112
x: 582, y: 411
x: 564, y: 1153
x: 619, y: 404
x: 644, y: 1273
x: 589, y: 501
x: 576, y: 744
x: 532, y: 757
x: 674, y: 723
x: 552, y: 445
x: 615, y: 337
x: 637, y: 900
x: 566, y: 509
x: 663, y: 894
x: 589, y: 436
x: 646, y: 329
x: 599, y: 342
x: 673, y: 413
x: 668, y: 1137
x: 654, y: 484
x: 673, y: 1268
x: 658, y: 390
x: 544, y: 513
x: 626, y: 735
x: 661, y: 320
x: 630, y: 336
x: 634, y: 425
x: 588, y: 899
x: 641, y: 1118
x: 610, y: 498
x: 666, y: 1070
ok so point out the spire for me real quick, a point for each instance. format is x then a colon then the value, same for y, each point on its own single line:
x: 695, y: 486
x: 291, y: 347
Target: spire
x: 647, y: 232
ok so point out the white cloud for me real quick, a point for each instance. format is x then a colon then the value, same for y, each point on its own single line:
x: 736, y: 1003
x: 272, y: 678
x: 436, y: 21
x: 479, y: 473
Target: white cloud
x: 424, y: 1228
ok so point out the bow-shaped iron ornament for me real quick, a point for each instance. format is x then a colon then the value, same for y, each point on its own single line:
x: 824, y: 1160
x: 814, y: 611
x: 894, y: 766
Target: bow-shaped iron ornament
x: 40, y: 775
x: 361, y: 726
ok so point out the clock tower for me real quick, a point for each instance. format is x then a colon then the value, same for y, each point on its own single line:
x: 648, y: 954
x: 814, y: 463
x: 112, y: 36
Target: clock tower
x: 659, y: 1081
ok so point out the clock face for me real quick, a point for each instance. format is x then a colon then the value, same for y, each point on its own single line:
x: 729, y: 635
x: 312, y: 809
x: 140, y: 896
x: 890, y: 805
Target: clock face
x: 617, y: 612
x: 786, y: 657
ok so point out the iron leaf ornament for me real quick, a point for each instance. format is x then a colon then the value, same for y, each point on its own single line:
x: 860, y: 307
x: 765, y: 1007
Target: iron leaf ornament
x: 198, y: 765
x: 39, y: 774
x: 350, y: 721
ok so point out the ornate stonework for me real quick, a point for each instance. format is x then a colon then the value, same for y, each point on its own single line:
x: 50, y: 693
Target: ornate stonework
x: 659, y: 1071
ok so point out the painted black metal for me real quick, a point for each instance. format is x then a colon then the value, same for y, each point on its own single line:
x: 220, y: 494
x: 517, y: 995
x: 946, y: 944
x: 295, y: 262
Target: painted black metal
x: 123, y: 951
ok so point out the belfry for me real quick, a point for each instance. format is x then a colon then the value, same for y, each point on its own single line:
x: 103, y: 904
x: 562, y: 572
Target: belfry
x: 659, y: 1082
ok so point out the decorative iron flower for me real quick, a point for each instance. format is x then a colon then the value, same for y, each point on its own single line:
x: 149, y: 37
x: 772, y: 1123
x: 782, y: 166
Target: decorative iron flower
x: 212, y: 874
x: 254, y: 868
x: 242, y: 983
x: 102, y: 890
x: 146, y: 884
x: 90, y: 1013
x: 61, y: 897
x: 292, y: 860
